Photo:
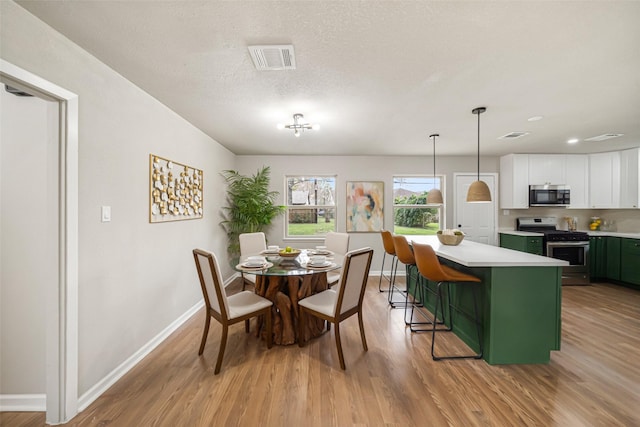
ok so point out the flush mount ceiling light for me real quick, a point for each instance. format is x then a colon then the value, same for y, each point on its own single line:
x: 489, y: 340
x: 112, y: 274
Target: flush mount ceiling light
x: 479, y: 190
x: 434, y: 196
x: 572, y: 141
x: 299, y: 125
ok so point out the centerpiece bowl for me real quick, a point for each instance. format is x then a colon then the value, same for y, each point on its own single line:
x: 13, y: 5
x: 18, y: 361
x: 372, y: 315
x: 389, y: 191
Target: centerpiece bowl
x: 450, y: 239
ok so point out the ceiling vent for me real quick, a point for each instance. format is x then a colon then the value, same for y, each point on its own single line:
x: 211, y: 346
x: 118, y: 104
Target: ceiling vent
x: 273, y: 57
x: 604, y: 137
x: 514, y: 135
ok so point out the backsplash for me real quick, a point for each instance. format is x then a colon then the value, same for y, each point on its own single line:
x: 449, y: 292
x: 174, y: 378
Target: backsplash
x: 625, y: 220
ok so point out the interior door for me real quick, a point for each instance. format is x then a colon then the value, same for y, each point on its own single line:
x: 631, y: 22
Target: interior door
x: 476, y: 220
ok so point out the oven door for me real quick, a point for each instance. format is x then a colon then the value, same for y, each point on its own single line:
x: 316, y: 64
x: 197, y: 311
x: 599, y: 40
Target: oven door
x: 577, y: 254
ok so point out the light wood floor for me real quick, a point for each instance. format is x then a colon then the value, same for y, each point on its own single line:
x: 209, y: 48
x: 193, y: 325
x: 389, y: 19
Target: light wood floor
x: 593, y: 381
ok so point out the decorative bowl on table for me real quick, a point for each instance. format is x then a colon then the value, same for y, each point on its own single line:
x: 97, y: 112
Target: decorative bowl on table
x: 289, y: 252
x: 450, y: 238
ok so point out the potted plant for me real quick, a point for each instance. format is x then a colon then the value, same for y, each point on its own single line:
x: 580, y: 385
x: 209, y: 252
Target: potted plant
x: 251, y: 206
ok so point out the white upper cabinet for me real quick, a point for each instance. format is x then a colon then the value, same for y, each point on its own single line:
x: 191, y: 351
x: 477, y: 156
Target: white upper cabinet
x: 547, y: 169
x: 629, y: 178
x: 514, y: 181
x: 604, y: 180
x: 577, y: 178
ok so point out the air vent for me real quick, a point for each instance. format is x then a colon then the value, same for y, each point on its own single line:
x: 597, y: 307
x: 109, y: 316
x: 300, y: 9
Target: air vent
x: 273, y: 57
x: 604, y: 137
x: 514, y: 135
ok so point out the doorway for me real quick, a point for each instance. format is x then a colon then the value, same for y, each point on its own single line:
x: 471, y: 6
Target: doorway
x: 478, y: 221
x: 61, y: 294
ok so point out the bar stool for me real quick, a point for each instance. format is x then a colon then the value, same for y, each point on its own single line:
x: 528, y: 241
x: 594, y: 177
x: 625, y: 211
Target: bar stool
x: 429, y: 266
x: 405, y: 256
x: 389, y: 249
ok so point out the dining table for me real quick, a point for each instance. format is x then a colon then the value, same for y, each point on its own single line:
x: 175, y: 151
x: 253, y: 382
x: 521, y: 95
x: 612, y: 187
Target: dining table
x: 286, y: 278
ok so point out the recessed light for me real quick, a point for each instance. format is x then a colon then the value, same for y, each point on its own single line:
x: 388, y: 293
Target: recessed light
x: 534, y: 118
x: 572, y: 140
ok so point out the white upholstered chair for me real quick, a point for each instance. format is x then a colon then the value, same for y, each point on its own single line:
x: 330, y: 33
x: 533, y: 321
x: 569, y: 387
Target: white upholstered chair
x: 338, y: 243
x: 251, y: 244
x: 336, y: 305
x: 227, y: 310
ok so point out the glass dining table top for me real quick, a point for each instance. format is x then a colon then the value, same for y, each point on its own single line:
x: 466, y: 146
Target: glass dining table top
x: 272, y: 264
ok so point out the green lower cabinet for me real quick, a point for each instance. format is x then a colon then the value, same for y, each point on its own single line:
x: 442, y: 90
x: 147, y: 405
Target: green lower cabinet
x: 530, y: 244
x: 598, y: 257
x: 612, y: 255
x: 630, y: 261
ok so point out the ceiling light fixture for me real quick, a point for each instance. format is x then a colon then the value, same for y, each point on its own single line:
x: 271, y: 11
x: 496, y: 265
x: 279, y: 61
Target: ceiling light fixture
x: 572, y: 141
x: 434, y: 196
x: 479, y: 190
x: 298, y: 125
x: 535, y: 118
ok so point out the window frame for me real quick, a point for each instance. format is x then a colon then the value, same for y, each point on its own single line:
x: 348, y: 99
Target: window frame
x: 441, y: 208
x: 289, y: 207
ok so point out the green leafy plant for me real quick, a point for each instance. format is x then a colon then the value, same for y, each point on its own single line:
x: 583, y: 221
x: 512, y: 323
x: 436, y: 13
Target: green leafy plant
x: 251, y: 206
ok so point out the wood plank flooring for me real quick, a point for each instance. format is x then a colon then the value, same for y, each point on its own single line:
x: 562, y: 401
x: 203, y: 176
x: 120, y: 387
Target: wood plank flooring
x: 593, y: 381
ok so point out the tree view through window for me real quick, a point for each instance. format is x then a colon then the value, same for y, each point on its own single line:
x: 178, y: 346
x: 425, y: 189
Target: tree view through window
x: 411, y: 214
x: 310, y: 205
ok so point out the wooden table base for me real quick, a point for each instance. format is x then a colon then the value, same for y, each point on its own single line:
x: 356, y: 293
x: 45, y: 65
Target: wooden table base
x: 285, y: 292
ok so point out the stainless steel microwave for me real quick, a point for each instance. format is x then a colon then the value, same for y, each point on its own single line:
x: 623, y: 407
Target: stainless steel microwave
x: 549, y: 195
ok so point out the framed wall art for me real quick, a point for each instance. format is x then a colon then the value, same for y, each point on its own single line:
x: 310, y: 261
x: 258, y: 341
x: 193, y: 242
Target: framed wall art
x: 365, y: 206
x: 175, y: 191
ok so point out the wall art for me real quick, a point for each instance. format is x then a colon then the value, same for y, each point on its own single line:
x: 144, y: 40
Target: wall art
x: 365, y: 206
x: 175, y: 191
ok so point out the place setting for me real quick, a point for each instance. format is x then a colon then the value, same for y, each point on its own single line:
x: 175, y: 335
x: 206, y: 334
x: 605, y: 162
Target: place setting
x: 272, y: 250
x: 319, y: 262
x: 320, y: 250
x: 255, y: 263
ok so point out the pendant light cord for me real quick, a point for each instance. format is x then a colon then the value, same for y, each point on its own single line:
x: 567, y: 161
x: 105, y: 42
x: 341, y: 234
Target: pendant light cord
x: 434, y: 159
x: 478, y: 145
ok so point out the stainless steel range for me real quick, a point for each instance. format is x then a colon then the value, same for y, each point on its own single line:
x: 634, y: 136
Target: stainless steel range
x: 571, y: 246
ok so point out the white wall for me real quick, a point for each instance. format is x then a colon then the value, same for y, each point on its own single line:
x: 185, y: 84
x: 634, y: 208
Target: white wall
x: 28, y: 239
x: 135, y: 278
x: 360, y: 168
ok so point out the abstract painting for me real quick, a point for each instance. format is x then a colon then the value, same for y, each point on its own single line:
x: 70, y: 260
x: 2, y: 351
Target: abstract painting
x: 365, y: 203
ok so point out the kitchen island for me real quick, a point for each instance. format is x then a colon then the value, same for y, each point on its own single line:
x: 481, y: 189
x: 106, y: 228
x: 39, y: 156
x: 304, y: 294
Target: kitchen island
x: 520, y: 300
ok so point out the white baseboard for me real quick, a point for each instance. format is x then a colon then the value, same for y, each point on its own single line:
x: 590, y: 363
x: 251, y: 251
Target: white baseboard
x: 101, y: 386
x: 23, y: 402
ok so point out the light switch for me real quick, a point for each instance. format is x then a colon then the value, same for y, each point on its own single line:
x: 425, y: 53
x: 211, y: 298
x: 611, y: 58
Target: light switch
x: 106, y: 213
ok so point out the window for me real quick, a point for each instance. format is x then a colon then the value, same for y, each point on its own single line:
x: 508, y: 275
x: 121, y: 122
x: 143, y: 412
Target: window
x: 311, y: 205
x: 411, y: 214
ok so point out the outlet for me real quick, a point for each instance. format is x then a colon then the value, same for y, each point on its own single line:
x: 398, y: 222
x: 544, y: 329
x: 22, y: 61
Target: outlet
x: 106, y: 214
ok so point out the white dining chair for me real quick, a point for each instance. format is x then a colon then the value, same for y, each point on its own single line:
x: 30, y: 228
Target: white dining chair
x: 251, y: 244
x: 338, y: 243
x: 336, y: 306
x: 227, y: 310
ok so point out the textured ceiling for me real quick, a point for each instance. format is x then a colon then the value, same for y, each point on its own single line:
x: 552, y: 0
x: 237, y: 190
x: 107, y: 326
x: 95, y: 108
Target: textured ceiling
x: 378, y: 76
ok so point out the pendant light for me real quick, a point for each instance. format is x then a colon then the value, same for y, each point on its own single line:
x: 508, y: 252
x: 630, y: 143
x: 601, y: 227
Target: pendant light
x: 434, y: 196
x: 479, y: 190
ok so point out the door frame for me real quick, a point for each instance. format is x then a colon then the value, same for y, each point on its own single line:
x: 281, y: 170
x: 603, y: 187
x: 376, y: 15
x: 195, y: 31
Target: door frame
x: 494, y: 197
x: 61, y: 300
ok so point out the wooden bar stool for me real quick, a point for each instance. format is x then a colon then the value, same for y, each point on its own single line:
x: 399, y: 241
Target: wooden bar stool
x: 389, y: 249
x: 430, y: 268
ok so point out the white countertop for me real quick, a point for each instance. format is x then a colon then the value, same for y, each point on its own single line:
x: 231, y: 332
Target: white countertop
x: 589, y: 232
x: 473, y: 254
x: 521, y: 233
x: 613, y: 234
